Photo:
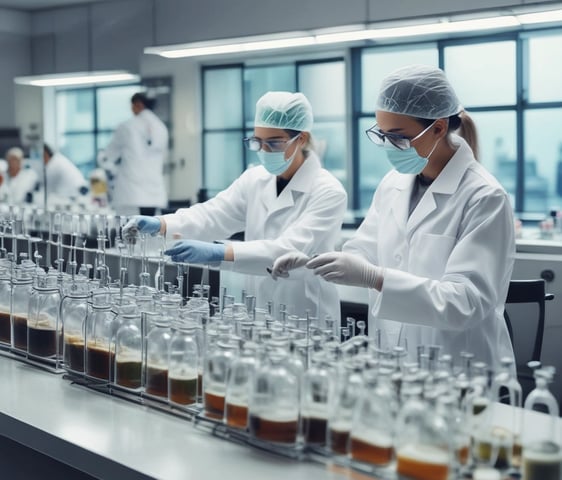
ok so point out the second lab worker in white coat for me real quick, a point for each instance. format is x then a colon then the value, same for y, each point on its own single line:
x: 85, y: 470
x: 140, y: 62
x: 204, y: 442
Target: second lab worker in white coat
x: 136, y: 156
x: 64, y: 180
x: 289, y: 202
x: 436, y: 248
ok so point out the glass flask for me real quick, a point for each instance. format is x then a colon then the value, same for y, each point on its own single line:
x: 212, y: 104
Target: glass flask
x: 128, y: 348
x: 5, y: 300
x: 215, y: 376
x: 316, y: 398
x: 372, y: 431
x: 349, y: 384
x: 156, y: 357
x: 73, y: 314
x: 238, y: 386
x: 423, y: 444
x: 100, y: 332
x: 274, y: 400
x: 21, y: 292
x: 542, y: 453
x: 183, y: 368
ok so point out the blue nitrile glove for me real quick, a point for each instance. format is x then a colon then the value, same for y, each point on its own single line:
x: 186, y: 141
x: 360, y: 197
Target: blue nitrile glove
x: 141, y: 224
x: 194, y: 251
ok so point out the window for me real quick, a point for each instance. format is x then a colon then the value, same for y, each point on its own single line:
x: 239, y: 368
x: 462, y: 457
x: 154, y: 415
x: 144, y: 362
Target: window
x: 230, y: 95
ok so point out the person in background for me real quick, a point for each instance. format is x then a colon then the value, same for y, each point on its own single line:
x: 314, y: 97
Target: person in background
x: 20, y: 183
x: 62, y: 177
x: 135, y: 157
x: 288, y: 202
x: 436, y: 248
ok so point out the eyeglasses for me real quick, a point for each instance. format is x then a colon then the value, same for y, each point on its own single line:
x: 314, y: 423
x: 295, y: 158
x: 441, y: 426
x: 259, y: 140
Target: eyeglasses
x: 256, y: 144
x: 401, y: 142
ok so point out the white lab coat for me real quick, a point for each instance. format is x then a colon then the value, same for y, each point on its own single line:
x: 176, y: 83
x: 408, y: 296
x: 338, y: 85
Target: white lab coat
x: 306, y: 216
x: 63, y: 177
x: 19, y: 186
x: 140, y: 144
x: 448, y: 265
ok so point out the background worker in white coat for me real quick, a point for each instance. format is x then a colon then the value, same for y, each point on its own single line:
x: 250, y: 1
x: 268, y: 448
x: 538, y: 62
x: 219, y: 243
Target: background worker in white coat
x: 135, y: 157
x: 20, y: 182
x: 436, y: 248
x: 288, y: 202
x: 62, y: 177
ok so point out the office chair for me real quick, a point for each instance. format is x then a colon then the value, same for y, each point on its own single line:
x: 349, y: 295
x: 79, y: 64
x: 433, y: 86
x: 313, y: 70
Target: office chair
x: 532, y: 292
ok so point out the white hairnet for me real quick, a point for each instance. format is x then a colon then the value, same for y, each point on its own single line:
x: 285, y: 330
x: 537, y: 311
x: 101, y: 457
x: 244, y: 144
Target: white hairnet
x: 286, y: 110
x: 418, y: 91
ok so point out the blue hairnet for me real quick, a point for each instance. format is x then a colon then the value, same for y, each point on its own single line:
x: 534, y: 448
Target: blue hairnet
x: 418, y: 91
x: 286, y: 110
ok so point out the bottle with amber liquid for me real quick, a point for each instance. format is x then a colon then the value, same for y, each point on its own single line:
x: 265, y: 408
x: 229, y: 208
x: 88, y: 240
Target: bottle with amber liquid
x: 5, y: 300
x: 423, y: 440
x: 44, y: 332
x: 372, y: 432
x: 156, y: 358
x: 22, y: 281
x: 215, y: 376
x: 128, y: 349
x: 274, y: 400
x: 238, y: 385
x: 183, y: 368
x: 73, y: 315
x: 542, y: 450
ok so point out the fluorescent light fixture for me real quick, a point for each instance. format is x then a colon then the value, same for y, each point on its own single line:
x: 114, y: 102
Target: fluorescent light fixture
x: 540, y: 17
x: 78, y: 78
x: 235, y: 45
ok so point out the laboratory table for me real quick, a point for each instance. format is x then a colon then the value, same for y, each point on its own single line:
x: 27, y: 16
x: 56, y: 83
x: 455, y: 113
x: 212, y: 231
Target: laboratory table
x: 110, y: 438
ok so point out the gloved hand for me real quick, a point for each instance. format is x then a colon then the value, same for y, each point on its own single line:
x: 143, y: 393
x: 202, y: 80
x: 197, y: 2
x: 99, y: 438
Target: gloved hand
x: 141, y: 224
x: 345, y: 269
x: 287, y: 262
x: 194, y: 251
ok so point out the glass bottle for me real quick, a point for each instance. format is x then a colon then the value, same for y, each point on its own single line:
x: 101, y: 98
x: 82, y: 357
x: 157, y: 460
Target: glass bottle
x: 100, y: 332
x: 423, y: 444
x: 157, y: 357
x: 372, y: 431
x: 542, y: 452
x: 215, y: 376
x: 240, y: 377
x: 274, y: 401
x: 128, y: 348
x: 183, y: 368
x: 316, y: 399
x: 22, y: 284
x: 5, y: 300
x: 73, y: 314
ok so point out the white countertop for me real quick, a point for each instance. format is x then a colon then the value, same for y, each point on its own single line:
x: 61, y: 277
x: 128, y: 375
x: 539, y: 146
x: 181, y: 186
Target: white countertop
x: 108, y: 437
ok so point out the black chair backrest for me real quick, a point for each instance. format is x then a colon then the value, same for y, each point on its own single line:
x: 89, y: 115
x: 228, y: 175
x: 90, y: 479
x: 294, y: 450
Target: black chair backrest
x: 529, y: 291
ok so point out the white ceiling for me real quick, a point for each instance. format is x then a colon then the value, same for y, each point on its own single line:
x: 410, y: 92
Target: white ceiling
x: 40, y: 4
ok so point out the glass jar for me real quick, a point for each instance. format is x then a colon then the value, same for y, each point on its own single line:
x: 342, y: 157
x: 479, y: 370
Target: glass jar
x: 274, y: 401
x: 215, y: 376
x: 100, y: 332
x: 128, y: 349
x: 21, y: 292
x: 73, y: 314
x: 156, y: 357
x: 5, y: 300
x: 183, y: 368
x: 239, y: 383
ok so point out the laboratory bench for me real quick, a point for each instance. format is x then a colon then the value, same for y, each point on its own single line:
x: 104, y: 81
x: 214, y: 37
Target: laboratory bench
x: 77, y: 433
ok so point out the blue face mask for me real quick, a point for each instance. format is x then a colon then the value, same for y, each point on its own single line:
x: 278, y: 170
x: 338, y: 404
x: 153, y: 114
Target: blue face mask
x: 275, y: 162
x: 406, y: 161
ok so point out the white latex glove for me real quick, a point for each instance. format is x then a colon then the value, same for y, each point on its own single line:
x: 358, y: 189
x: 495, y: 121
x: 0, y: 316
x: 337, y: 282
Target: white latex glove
x: 345, y: 269
x: 287, y: 262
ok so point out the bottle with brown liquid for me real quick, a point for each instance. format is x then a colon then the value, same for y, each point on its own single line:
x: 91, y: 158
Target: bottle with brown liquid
x: 542, y: 451
x: 5, y: 300
x: 73, y: 313
x: 128, y: 349
x: 100, y: 330
x: 215, y: 376
x: 43, y: 323
x: 274, y: 400
x: 372, y: 432
x: 21, y: 292
x: 156, y: 357
x: 238, y: 386
x: 183, y: 367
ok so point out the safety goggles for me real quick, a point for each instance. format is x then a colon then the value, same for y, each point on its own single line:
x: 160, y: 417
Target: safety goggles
x: 401, y: 142
x: 256, y: 144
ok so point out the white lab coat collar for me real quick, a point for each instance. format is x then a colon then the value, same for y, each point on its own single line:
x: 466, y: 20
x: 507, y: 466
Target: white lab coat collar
x: 447, y: 182
x: 301, y: 183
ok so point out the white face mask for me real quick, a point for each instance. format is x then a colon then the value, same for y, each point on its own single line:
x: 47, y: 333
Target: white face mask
x: 275, y: 162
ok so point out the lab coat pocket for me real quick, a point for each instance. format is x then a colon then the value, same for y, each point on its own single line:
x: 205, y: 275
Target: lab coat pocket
x: 429, y: 254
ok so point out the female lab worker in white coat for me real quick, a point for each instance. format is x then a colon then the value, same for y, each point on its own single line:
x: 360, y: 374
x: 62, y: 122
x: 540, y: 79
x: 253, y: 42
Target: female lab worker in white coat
x: 288, y: 202
x: 436, y: 248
